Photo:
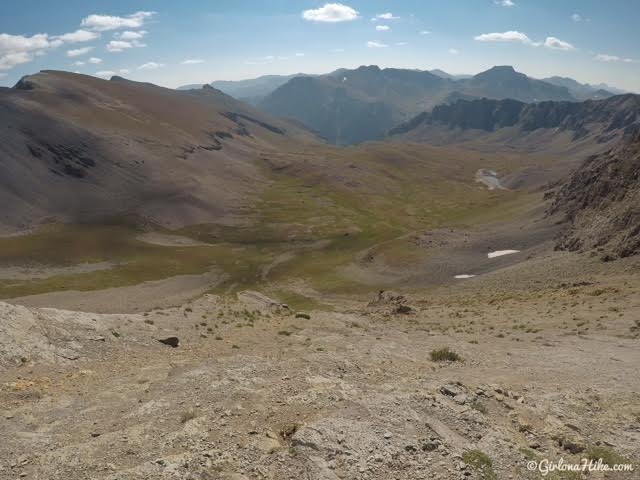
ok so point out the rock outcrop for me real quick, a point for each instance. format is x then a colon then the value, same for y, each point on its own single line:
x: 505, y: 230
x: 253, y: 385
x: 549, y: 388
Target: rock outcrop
x: 602, y: 201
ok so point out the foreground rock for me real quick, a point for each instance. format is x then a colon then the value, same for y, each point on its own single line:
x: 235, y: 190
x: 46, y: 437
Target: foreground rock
x: 342, y: 395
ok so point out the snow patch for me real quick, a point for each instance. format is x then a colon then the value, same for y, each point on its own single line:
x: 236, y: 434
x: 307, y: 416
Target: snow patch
x: 500, y: 253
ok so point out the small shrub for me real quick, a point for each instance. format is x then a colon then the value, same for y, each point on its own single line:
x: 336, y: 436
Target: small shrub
x: 304, y: 316
x: 607, y: 455
x: 479, y: 406
x: 445, y: 355
x: 480, y: 462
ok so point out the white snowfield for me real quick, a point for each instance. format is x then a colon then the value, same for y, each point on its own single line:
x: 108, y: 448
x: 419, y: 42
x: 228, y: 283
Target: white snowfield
x: 500, y: 253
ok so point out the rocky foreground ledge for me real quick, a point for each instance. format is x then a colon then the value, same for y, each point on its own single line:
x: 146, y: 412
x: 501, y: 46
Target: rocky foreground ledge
x: 395, y: 388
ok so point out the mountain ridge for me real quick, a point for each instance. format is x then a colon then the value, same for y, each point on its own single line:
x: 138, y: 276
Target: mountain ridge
x: 379, y: 99
x: 616, y: 114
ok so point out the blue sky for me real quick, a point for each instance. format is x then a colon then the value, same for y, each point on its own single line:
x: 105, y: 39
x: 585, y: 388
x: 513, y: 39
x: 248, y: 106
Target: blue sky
x: 195, y: 41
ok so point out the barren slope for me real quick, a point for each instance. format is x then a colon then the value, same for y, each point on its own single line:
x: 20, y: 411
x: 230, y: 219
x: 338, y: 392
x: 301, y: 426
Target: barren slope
x: 78, y: 148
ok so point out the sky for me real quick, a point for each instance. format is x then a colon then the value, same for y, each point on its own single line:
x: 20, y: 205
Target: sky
x: 174, y: 43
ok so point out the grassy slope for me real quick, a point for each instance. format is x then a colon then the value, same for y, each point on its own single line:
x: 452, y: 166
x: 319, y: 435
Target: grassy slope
x: 352, y: 199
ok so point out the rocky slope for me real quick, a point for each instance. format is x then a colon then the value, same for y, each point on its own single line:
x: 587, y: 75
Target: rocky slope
x: 240, y: 387
x: 602, y: 201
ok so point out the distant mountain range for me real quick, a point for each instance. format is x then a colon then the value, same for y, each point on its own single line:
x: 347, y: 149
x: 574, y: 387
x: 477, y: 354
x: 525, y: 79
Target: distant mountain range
x: 252, y: 90
x: 351, y: 106
x: 584, y: 91
x: 443, y: 74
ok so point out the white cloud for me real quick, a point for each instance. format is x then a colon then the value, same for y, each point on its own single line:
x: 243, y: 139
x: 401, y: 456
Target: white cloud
x: 263, y: 60
x: 505, y: 3
x: 384, y: 16
x: 10, y: 60
x: 95, y: 60
x: 612, y: 58
x: 425, y: 32
x: 401, y: 44
x: 331, y: 13
x: 519, y: 37
x: 105, y: 74
x: 510, y: 36
x: 129, y: 35
x: 337, y: 50
x: 78, y: 52
x: 18, y: 43
x: 192, y: 61
x: 454, y: 51
x: 78, y: 36
x: 101, y: 23
x: 299, y: 54
x: 115, y: 46
x: 79, y: 63
x: 557, y: 44
x: 123, y: 71
x: 383, y: 28
x: 151, y: 66
x: 576, y: 17
x: 376, y: 45
x: 18, y: 49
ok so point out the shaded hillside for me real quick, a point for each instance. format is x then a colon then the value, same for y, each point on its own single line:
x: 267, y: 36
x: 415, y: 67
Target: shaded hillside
x: 336, y: 111
x: 351, y: 106
x: 603, y: 118
x: 601, y: 199
x: 74, y: 147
